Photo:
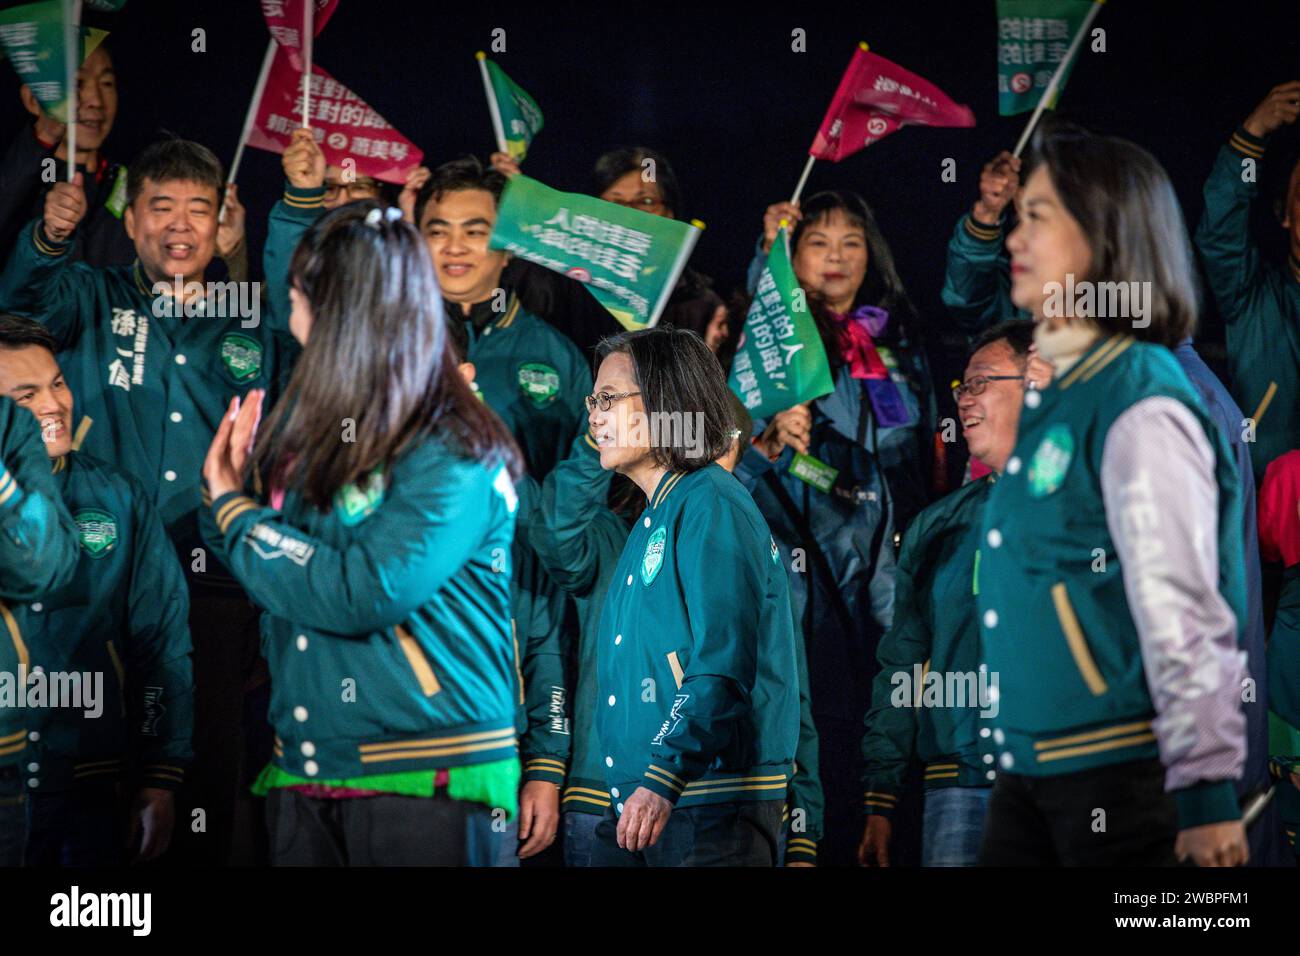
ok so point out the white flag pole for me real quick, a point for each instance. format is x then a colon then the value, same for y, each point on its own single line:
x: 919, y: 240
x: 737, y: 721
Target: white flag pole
x: 308, y: 12
x: 679, y: 265
x: 493, y: 107
x: 71, y: 51
x: 1057, y: 76
x: 803, y: 179
x: 249, y: 119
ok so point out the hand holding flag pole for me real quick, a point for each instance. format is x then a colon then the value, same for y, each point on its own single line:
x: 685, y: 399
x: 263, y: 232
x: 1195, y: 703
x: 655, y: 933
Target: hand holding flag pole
x: 1050, y: 92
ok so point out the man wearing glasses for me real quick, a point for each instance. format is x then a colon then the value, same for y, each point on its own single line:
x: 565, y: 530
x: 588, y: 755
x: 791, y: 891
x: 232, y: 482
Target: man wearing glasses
x: 935, y: 632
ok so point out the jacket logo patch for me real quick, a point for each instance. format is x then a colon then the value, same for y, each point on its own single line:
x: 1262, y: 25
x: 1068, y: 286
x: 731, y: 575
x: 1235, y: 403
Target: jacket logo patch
x: 98, y: 531
x: 653, y: 560
x: 540, y: 383
x: 674, y: 718
x: 1051, y: 461
x: 241, y: 356
x: 776, y: 554
x: 354, y: 503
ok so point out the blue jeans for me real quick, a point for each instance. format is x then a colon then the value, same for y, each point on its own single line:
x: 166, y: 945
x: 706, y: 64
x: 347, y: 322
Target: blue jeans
x: 13, y: 817
x: 953, y: 825
x: 579, y: 835
x: 721, y: 834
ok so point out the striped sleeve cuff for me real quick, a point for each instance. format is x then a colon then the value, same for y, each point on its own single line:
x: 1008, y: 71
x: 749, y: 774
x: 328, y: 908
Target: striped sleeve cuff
x: 11, y: 496
x: 304, y: 198
x: 1205, y: 803
x: 163, y: 776
x: 549, y: 769
x: 45, y: 245
x: 981, y: 232
x: 1246, y: 144
x: 664, y: 782
x: 229, y: 507
x: 880, y: 803
x: 800, y: 850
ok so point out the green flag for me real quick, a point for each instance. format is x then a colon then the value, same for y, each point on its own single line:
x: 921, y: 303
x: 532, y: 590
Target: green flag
x: 515, y: 116
x: 33, y: 38
x: 106, y: 6
x: 1033, y: 38
x: 628, y: 259
x: 780, y: 361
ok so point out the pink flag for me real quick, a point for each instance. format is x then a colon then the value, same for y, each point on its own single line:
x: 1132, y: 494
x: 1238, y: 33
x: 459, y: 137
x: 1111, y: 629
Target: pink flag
x: 344, y: 125
x: 877, y: 97
x: 284, y: 20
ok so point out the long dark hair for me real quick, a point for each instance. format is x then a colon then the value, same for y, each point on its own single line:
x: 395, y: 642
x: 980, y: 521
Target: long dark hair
x: 377, y: 355
x: 1125, y: 205
x: 677, y: 375
x: 882, y: 286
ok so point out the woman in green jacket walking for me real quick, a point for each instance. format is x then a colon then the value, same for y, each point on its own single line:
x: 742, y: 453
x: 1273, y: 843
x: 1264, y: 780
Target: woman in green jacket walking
x: 1111, y: 581
x: 382, y: 559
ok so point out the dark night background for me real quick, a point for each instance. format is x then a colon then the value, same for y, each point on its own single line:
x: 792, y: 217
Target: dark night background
x: 719, y: 92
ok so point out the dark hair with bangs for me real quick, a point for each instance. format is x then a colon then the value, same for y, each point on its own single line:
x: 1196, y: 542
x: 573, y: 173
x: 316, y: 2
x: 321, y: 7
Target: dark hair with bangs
x: 17, y: 332
x: 1125, y: 205
x: 617, y: 163
x: 458, y: 175
x: 377, y: 354
x: 881, y: 286
x: 1018, y: 334
x: 173, y: 159
x: 677, y: 374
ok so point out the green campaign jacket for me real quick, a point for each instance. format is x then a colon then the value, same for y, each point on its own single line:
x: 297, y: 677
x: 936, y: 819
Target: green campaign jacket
x: 977, y: 276
x: 125, y: 616
x: 152, y: 386
x: 1260, y: 304
x: 805, y: 808
x: 528, y: 372
x: 578, y: 539
x: 387, y: 624
x: 697, y: 692
x: 935, y: 631
x: 1055, y: 622
x: 542, y: 717
x: 38, y: 555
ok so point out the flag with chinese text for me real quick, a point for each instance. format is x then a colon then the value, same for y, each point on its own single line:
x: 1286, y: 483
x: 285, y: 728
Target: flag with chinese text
x: 628, y: 259
x: 517, y: 113
x: 1033, y: 38
x: 33, y: 38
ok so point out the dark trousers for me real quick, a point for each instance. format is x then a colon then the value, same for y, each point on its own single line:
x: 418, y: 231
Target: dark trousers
x: 371, y: 831
x: 82, y: 826
x: 1117, y: 815
x: 13, y: 817
x: 719, y: 834
x: 224, y: 631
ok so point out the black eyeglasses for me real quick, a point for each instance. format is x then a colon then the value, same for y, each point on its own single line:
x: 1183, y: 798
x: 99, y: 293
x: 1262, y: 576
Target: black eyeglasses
x: 605, y: 399
x: 977, y: 385
x: 644, y: 203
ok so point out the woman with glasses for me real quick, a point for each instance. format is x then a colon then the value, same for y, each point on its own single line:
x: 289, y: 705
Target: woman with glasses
x: 376, y: 554
x: 1111, y: 580
x: 697, y: 703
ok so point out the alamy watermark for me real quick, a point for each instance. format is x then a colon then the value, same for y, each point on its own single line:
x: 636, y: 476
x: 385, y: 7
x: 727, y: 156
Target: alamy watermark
x: 213, y: 300
x: 941, y: 689
x: 1116, y: 300
x: 37, y: 689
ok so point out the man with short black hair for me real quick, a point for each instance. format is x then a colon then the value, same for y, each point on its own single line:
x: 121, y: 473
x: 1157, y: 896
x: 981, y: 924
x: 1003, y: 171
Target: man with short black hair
x: 935, y: 632
x: 154, y: 359
x: 122, y: 616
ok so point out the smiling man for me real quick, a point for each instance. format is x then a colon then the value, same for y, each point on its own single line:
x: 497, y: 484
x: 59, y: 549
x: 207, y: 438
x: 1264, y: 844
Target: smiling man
x: 935, y: 628
x: 123, y: 616
x: 152, y: 382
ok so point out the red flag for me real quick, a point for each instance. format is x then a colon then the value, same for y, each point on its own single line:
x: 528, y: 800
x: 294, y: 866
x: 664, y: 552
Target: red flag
x: 876, y: 98
x: 344, y: 125
x: 284, y: 20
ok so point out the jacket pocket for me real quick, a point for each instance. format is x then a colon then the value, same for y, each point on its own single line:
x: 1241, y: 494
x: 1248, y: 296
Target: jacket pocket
x: 1083, y: 659
x: 675, y: 665
x: 419, y: 663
